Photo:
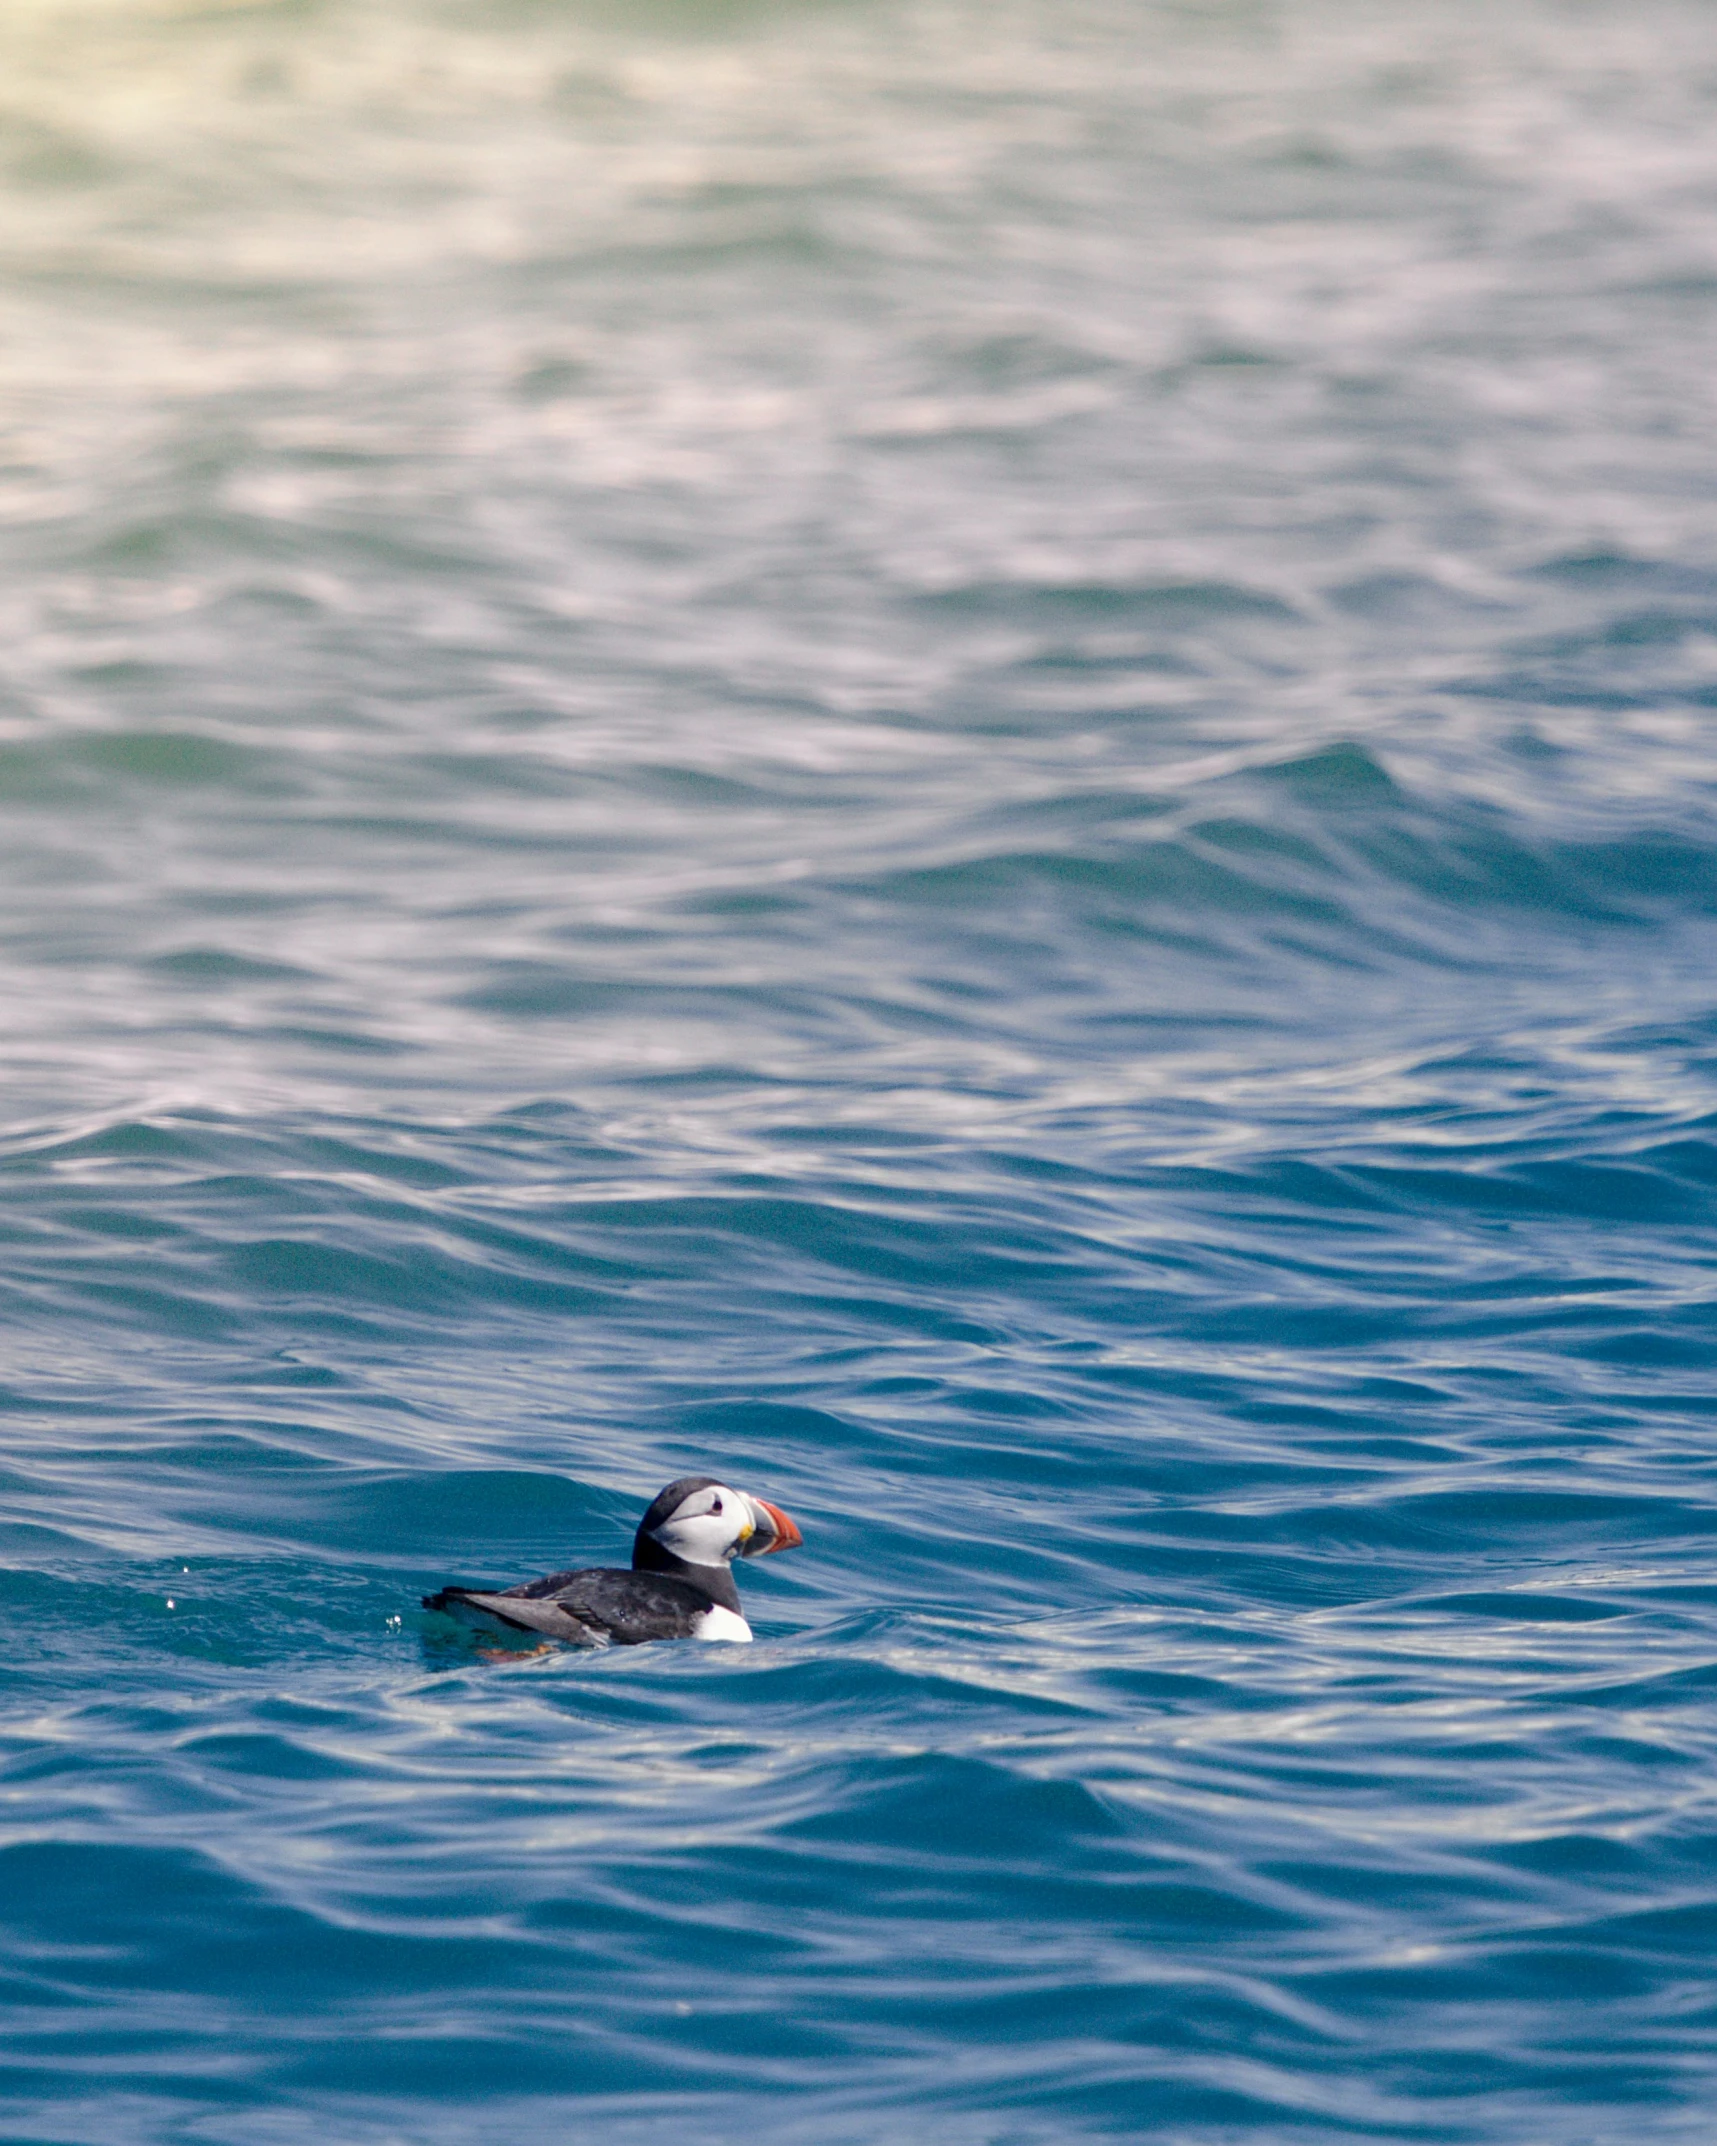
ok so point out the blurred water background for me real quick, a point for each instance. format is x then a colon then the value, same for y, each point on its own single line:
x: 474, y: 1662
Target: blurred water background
x: 958, y: 758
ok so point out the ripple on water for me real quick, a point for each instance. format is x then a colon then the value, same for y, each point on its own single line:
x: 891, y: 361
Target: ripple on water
x: 962, y: 762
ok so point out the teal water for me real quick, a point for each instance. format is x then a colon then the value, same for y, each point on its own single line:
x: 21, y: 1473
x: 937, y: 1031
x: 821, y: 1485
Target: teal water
x: 960, y: 759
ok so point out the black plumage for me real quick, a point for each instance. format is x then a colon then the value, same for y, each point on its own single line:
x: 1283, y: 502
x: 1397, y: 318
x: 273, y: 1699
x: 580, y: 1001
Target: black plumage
x: 598, y: 1607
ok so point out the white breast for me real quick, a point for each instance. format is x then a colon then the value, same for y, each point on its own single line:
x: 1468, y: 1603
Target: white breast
x: 719, y: 1623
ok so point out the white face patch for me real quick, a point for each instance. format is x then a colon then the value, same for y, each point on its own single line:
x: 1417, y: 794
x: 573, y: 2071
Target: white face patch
x: 719, y: 1623
x: 707, y: 1527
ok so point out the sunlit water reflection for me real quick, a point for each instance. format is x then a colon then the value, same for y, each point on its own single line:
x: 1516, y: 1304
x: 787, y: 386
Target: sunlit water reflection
x: 961, y: 758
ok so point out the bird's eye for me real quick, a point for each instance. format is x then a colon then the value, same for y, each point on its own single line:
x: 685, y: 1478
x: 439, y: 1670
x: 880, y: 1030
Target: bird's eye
x: 715, y: 1505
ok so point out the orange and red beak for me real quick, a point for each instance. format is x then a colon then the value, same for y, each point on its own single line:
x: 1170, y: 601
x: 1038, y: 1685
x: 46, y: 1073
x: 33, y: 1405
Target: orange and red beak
x: 774, y: 1531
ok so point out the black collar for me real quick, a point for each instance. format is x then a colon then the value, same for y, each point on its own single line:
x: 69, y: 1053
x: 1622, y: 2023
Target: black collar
x: 716, y: 1581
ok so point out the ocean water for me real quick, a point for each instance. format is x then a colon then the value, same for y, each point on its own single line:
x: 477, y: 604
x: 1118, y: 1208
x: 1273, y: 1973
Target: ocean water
x: 959, y: 759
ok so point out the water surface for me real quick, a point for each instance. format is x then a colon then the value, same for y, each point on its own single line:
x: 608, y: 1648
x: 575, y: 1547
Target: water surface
x: 961, y: 760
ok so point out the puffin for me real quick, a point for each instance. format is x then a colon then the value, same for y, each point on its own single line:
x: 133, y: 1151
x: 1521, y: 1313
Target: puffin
x: 680, y: 1585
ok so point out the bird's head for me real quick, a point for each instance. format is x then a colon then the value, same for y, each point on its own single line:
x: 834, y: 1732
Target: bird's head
x: 698, y: 1521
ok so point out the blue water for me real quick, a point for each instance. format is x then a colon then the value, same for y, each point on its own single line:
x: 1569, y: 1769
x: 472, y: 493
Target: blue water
x: 960, y: 760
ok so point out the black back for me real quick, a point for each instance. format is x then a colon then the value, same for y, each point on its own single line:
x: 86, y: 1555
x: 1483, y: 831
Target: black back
x: 628, y: 1607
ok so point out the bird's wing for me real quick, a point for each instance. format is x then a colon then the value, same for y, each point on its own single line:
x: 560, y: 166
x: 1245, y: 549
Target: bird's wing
x: 629, y: 1607
x: 595, y: 1608
x: 519, y: 1611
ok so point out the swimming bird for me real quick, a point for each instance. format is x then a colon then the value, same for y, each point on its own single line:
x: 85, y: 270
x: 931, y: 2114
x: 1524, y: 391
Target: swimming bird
x: 680, y: 1585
